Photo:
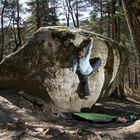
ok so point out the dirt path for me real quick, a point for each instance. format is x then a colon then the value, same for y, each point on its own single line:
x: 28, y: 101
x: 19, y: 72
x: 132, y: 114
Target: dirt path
x: 22, y: 120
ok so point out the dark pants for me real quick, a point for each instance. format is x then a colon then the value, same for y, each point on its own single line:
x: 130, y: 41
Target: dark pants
x: 95, y: 63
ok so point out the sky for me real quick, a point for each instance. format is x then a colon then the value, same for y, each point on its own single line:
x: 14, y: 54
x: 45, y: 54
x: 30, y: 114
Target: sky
x: 25, y: 15
x: 61, y: 17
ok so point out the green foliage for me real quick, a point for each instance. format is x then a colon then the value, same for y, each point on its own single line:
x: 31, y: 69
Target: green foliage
x: 10, y: 11
x: 45, y: 13
x: 103, y: 17
x: 44, y: 10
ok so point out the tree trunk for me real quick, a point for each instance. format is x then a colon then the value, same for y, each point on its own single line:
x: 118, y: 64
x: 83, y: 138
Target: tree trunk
x: 77, y: 15
x: 38, y: 24
x: 132, y: 14
x: 109, y: 21
x: 68, y: 20
x: 15, y: 35
x: 67, y: 14
x: 71, y: 12
x: 2, y: 32
x: 101, y: 18
x: 18, y: 44
x: 113, y: 18
x: 136, y: 73
x: 129, y: 78
x: 118, y: 30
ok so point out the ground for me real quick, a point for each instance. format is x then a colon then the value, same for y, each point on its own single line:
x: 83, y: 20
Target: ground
x: 20, y: 119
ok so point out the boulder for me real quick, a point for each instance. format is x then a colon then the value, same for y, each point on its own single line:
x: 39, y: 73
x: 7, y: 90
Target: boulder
x: 42, y: 67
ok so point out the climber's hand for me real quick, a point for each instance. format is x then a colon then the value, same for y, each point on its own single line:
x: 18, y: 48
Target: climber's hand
x: 91, y: 39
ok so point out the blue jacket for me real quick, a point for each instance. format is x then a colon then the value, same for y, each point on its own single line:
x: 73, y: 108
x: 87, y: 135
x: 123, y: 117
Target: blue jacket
x: 85, y: 67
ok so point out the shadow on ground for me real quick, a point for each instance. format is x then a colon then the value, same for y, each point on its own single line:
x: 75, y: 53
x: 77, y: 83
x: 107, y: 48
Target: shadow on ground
x: 38, y: 120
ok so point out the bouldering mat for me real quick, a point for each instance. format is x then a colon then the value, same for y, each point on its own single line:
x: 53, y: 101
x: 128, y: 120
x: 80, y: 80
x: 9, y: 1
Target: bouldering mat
x: 95, y: 117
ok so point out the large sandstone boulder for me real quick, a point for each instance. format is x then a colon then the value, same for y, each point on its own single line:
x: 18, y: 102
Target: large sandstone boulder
x: 42, y: 67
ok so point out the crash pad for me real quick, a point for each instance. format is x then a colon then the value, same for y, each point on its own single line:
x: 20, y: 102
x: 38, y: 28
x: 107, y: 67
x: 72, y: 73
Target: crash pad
x: 95, y: 117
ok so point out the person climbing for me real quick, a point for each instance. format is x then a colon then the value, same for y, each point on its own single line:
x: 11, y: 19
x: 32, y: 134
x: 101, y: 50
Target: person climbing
x: 83, y: 68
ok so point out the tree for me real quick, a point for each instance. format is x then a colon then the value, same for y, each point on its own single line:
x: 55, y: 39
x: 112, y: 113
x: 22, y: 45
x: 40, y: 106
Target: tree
x: 17, y: 19
x: 64, y: 7
x: 44, y: 11
x: 72, y: 10
x: 107, y: 18
x: 2, y: 28
x: 72, y: 6
x: 132, y: 14
x: 10, y: 17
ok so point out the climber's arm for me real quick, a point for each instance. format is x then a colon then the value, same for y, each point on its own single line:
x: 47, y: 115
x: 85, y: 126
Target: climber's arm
x: 90, y: 46
x: 74, y: 66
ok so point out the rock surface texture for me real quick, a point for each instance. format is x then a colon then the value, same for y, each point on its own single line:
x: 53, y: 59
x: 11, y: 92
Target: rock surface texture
x: 42, y: 67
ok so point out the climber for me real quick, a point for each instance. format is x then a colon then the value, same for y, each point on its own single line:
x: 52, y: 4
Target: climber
x: 83, y: 68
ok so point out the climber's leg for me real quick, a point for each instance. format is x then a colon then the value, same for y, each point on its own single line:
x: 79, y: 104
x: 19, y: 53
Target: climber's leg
x: 84, y: 82
x: 95, y: 63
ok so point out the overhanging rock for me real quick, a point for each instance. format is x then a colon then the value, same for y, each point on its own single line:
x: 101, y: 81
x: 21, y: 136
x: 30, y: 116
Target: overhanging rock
x: 42, y: 67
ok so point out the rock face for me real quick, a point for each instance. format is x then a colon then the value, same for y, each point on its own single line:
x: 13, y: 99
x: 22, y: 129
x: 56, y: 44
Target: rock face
x: 42, y: 67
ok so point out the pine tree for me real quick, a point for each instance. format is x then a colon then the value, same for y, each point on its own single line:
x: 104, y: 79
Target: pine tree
x: 132, y: 14
x: 72, y: 10
x: 107, y: 18
x: 10, y: 17
x: 44, y: 12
